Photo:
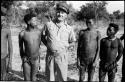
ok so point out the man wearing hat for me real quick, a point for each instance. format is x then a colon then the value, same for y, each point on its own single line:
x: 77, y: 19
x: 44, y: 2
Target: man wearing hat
x: 57, y: 36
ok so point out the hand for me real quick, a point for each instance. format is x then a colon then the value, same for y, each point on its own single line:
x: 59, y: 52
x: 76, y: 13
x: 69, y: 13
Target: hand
x: 78, y: 64
x: 94, y: 64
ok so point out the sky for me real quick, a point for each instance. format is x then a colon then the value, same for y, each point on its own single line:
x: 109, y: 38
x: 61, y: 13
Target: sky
x: 112, y: 5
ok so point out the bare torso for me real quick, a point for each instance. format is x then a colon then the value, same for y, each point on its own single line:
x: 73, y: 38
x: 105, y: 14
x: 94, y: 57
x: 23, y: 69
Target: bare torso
x: 32, y: 40
x: 109, y: 50
x: 88, y: 44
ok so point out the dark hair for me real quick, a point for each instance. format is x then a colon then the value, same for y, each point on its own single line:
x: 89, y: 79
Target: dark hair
x: 28, y: 17
x: 116, y: 27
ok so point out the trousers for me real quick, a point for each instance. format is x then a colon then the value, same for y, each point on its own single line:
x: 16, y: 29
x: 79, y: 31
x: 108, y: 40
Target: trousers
x: 56, y: 65
x: 4, y: 68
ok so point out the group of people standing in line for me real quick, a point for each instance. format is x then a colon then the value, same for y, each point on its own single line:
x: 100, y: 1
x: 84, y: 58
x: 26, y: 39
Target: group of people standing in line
x: 58, y: 36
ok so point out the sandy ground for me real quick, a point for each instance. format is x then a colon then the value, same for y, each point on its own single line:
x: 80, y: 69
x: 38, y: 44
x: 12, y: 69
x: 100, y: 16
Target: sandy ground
x: 17, y: 75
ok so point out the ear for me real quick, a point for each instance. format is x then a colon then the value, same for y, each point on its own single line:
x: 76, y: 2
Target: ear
x: 28, y: 22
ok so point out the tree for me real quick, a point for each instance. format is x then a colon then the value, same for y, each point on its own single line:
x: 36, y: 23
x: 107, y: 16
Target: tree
x: 111, y: 17
x: 122, y: 15
x: 117, y: 14
x: 94, y: 10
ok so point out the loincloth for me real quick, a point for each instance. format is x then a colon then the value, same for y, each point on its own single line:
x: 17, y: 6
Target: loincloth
x: 29, y: 60
x: 108, y: 66
x: 87, y: 63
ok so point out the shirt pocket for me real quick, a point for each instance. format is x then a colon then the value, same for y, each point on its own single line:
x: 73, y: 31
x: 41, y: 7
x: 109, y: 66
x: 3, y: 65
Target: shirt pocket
x: 64, y: 35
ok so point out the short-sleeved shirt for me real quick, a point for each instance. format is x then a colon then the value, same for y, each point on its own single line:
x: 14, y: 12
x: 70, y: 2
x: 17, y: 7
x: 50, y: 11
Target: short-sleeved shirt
x: 58, y: 36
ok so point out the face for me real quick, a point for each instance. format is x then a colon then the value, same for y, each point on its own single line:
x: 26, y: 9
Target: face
x: 90, y: 24
x: 110, y: 31
x: 61, y: 15
x: 34, y: 21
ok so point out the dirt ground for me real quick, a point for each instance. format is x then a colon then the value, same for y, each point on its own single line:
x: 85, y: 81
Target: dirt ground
x: 17, y: 75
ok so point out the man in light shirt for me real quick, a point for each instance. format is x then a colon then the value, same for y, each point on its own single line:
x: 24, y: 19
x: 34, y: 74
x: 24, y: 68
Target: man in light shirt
x: 6, y: 48
x: 57, y: 36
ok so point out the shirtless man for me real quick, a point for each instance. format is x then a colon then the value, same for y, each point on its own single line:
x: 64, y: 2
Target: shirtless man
x: 109, y: 47
x: 29, y: 43
x: 88, y: 50
x: 6, y: 49
x: 123, y: 62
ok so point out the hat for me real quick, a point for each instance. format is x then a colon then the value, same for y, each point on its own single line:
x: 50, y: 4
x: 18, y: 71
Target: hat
x: 63, y: 7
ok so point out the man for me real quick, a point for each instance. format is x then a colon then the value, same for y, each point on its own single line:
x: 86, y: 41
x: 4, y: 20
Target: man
x: 123, y: 64
x: 57, y: 36
x: 88, y: 50
x: 6, y: 49
x: 29, y: 43
x: 109, y: 47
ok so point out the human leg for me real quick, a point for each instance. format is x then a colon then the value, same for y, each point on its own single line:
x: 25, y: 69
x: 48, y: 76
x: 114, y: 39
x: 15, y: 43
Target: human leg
x: 50, y: 67
x: 61, y: 66
x: 82, y: 71
x: 102, y: 75
x: 111, y: 75
x: 91, y: 71
x: 3, y: 69
x: 34, y: 69
x: 26, y: 70
x: 123, y: 72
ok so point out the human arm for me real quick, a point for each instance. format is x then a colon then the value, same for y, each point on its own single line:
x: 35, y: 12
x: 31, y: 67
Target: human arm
x: 10, y: 49
x: 120, y: 50
x: 101, y: 49
x: 98, y: 47
x: 122, y: 37
x: 21, y: 50
x: 78, y: 50
x: 44, y: 35
x: 72, y: 39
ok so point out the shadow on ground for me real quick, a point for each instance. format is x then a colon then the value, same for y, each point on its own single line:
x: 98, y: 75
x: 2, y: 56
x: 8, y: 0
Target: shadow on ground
x: 15, y: 75
x: 18, y: 76
x: 72, y: 80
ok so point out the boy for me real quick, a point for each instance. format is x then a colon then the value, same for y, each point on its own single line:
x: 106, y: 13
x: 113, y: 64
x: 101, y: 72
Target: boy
x: 88, y: 50
x: 109, y: 47
x: 29, y: 43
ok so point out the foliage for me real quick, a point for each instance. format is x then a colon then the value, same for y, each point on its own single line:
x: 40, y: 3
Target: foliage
x: 7, y: 4
x: 94, y: 10
x: 118, y: 15
x: 46, y: 10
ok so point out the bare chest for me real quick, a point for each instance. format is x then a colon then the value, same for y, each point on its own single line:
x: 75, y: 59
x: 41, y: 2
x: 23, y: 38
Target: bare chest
x: 89, y: 36
x: 32, y: 37
x: 111, y: 44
